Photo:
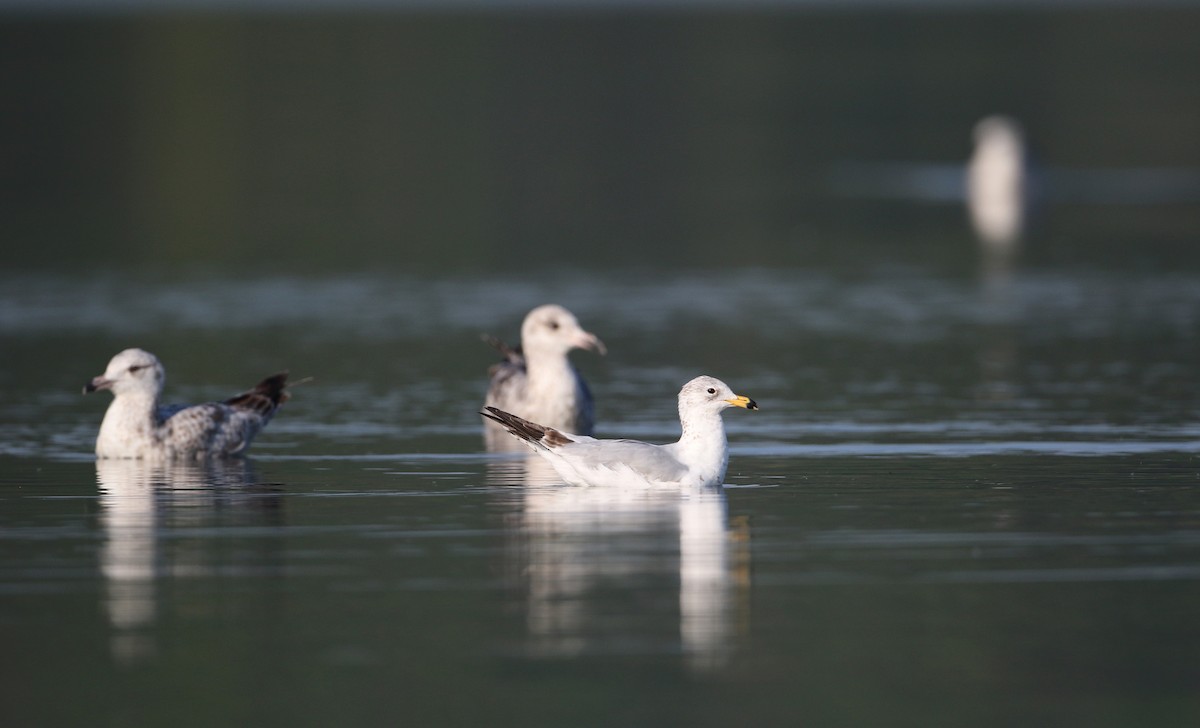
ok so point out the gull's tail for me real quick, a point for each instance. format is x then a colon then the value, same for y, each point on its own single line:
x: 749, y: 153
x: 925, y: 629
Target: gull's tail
x: 531, y: 432
x: 509, y: 353
x: 266, y: 396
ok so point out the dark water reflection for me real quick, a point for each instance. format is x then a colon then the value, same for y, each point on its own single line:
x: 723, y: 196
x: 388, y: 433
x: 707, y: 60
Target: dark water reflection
x: 163, y: 522
x: 856, y: 583
x: 608, y: 572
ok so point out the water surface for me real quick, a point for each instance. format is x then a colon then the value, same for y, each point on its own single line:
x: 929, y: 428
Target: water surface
x: 962, y: 501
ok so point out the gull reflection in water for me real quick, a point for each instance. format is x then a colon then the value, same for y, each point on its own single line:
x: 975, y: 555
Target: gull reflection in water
x: 521, y: 468
x: 604, y: 570
x: 141, y: 500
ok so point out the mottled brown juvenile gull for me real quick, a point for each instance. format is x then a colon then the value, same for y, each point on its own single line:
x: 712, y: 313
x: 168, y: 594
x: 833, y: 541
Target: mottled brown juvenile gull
x: 137, y: 426
x: 537, y: 381
x: 697, y: 460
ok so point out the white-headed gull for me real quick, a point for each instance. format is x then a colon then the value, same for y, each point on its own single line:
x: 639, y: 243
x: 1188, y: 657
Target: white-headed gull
x: 137, y: 426
x: 537, y: 381
x: 697, y: 460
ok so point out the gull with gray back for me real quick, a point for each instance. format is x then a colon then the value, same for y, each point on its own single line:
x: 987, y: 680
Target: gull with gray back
x: 537, y: 381
x: 697, y: 460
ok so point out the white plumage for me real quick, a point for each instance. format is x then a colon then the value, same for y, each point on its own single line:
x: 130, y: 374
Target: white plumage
x: 996, y: 183
x: 538, y: 381
x: 137, y: 426
x: 697, y: 460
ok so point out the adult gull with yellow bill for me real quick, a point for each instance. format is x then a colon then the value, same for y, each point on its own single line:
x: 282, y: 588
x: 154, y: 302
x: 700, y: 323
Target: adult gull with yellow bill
x: 697, y: 460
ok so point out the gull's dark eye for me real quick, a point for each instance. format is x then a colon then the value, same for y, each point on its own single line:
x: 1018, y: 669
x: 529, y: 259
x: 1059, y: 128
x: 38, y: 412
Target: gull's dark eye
x: 552, y: 324
x: 134, y: 369
x: 711, y: 390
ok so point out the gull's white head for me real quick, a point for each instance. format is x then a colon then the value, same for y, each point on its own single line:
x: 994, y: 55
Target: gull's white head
x: 999, y: 133
x: 709, y: 394
x: 552, y: 329
x: 133, y: 370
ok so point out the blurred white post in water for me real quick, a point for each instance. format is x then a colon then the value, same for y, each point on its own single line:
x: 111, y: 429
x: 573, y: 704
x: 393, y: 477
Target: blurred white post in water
x: 996, y: 185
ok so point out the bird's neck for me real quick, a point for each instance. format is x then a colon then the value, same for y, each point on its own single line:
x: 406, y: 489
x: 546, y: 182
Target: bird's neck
x: 130, y: 418
x: 552, y: 392
x: 707, y: 429
x: 137, y: 401
x: 549, y: 371
x: 703, y: 443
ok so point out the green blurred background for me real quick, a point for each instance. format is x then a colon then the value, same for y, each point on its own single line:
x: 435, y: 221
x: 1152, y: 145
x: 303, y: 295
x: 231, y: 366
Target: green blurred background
x: 266, y: 137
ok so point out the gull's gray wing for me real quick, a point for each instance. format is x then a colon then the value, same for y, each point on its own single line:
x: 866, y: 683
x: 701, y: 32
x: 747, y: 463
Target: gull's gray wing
x: 585, y: 420
x: 653, y: 461
x: 167, y: 411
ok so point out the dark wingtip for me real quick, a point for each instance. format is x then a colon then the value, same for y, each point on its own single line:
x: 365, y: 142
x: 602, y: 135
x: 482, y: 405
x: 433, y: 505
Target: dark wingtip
x: 274, y: 388
x: 524, y: 429
x: 509, y: 353
x: 554, y: 438
x: 266, y: 396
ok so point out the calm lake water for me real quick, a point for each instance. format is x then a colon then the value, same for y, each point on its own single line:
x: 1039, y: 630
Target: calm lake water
x: 962, y: 502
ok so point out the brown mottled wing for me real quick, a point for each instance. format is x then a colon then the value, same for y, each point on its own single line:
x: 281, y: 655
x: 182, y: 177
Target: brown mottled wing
x: 224, y: 428
x: 265, y: 398
x: 191, y: 428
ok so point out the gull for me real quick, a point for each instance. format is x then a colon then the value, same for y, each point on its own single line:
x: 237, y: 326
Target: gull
x: 996, y: 183
x: 137, y: 426
x: 697, y: 460
x: 537, y: 380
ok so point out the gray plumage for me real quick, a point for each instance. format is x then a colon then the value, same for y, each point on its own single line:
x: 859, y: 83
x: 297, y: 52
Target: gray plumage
x: 537, y: 380
x: 648, y: 460
x: 137, y: 426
